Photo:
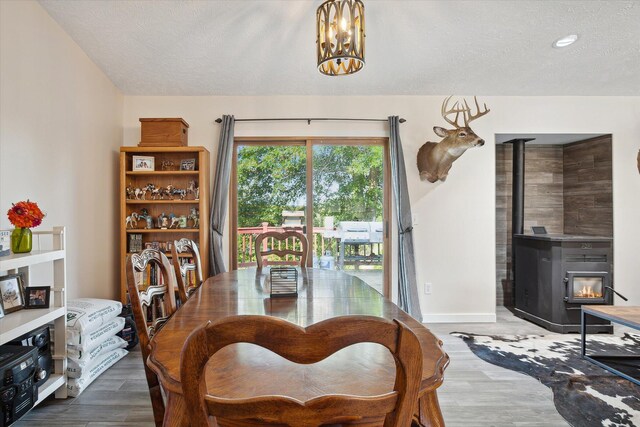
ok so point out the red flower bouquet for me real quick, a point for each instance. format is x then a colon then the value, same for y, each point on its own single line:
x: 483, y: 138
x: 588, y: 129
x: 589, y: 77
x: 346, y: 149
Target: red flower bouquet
x: 25, y: 215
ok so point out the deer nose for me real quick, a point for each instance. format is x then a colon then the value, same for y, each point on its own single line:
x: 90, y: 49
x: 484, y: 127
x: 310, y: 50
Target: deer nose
x: 481, y: 142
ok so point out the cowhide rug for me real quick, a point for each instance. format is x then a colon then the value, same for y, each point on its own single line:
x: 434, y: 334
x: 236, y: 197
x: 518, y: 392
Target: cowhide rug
x: 584, y: 394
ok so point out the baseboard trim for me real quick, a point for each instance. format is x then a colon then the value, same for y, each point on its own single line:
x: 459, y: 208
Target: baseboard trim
x: 459, y: 318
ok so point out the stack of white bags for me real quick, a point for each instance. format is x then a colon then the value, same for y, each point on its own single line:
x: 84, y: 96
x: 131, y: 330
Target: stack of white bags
x: 92, y: 344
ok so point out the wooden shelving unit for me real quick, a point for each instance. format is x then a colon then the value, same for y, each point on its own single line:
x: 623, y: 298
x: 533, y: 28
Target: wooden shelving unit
x: 18, y: 323
x: 161, y: 178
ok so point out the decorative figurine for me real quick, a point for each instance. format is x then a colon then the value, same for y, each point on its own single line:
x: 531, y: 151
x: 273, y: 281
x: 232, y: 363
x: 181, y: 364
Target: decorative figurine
x: 136, y: 193
x: 175, y: 221
x: 193, y: 188
x: 167, y: 165
x: 168, y: 191
x: 155, y: 192
x: 132, y: 220
x: 182, y: 193
x: 140, y: 193
x: 162, y: 219
x: 194, y: 216
x: 144, y: 213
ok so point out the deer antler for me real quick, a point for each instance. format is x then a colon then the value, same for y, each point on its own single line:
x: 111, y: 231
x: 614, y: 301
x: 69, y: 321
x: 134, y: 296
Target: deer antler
x: 453, y: 109
x: 468, y: 117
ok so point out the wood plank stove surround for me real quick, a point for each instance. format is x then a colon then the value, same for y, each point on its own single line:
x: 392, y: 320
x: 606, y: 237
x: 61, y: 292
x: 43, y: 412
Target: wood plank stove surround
x: 556, y: 274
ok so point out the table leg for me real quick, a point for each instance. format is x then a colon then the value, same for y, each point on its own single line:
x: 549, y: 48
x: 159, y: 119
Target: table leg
x: 583, y: 332
x: 175, y: 414
x: 429, y: 413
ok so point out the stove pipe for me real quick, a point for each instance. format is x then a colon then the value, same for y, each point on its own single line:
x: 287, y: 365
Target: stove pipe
x: 517, y: 197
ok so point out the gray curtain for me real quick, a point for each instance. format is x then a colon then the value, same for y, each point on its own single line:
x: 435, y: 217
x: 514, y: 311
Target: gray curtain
x: 220, y: 194
x: 407, y: 286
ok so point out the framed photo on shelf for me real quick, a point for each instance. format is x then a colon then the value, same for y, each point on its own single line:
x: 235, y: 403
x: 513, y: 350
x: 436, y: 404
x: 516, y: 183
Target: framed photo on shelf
x: 11, y: 293
x: 188, y: 165
x: 37, y: 297
x: 144, y: 163
x: 5, y: 242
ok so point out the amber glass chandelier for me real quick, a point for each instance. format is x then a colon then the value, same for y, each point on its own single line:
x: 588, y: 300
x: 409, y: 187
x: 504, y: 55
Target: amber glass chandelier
x: 340, y: 37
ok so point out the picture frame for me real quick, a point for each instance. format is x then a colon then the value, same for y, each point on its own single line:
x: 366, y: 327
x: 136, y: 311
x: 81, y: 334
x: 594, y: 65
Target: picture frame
x: 11, y: 294
x: 144, y: 163
x: 188, y: 165
x: 37, y: 297
x: 1, y: 312
x: 5, y: 242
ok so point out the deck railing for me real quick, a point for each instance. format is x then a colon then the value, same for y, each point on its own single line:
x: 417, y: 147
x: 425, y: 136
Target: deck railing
x: 355, y: 255
x: 247, y: 237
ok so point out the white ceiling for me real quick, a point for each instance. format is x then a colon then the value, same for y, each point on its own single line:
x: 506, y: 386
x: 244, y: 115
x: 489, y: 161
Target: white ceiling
x: 546, y: 138
x: 264, y: 47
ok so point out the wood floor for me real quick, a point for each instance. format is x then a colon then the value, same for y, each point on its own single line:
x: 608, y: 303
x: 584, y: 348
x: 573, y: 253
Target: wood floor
x: 474, y: 393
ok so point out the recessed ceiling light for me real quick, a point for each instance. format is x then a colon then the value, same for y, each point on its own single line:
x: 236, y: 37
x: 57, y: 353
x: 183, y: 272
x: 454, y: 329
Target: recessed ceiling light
x: 565, y: 41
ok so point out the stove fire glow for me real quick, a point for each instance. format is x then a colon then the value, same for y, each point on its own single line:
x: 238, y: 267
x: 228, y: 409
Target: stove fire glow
x: 587, y: 287
x: 588, y: 292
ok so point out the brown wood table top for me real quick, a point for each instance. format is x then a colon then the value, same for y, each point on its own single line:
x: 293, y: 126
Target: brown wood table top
x: 245, y: 370
x: 628, y: 315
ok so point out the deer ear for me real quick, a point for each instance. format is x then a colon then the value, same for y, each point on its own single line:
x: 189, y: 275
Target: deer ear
x: 441, y: 132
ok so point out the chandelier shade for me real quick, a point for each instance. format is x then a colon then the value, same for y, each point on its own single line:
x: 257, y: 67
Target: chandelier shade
x: 340, y: 37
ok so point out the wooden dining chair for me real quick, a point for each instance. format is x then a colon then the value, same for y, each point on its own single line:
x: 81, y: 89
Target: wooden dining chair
x: 305, y: 346
x: 152, y: 305
x: 286, y: 238
x: 186, y: 286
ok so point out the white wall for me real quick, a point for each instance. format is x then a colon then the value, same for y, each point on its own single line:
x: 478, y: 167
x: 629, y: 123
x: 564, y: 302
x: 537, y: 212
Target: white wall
x: 60, y: 129
x: 455, y: 234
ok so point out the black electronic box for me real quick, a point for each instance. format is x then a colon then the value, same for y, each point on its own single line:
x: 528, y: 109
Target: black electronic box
x: 40, y: 338
x: 18, y: 390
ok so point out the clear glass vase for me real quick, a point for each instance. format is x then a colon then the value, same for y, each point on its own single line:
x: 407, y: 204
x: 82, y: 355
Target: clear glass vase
x: 21, y: 240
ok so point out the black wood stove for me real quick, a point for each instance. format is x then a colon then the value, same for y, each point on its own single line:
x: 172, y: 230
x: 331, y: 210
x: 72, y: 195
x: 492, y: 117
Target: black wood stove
x: 556, y: 274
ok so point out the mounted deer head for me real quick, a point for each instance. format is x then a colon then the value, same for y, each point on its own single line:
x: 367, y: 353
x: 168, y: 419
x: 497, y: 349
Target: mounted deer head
x: 435, y: 159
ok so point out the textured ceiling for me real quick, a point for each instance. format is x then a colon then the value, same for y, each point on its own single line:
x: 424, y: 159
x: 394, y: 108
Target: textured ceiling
x: 267, y: 47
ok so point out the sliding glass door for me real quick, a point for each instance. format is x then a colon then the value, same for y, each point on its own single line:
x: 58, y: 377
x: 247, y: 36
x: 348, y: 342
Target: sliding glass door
x: 335, y: 191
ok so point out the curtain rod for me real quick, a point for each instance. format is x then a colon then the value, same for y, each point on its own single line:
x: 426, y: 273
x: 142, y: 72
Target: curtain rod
x: 309, y: 120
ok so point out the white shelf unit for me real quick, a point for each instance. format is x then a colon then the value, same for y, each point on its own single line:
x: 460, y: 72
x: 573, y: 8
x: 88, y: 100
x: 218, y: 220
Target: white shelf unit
x: 18, y: 323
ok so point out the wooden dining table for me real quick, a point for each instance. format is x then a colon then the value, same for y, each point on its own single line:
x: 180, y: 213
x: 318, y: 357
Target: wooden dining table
x: 245, y: 370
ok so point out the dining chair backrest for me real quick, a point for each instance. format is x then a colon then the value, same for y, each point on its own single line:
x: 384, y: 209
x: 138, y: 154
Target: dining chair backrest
x: 286, y: 246
x: 188, y: 271
x: 152, y: 304
x: 304, y: 346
